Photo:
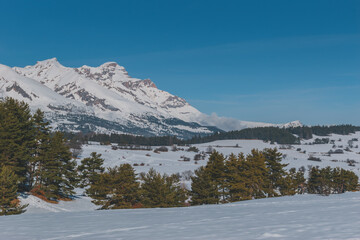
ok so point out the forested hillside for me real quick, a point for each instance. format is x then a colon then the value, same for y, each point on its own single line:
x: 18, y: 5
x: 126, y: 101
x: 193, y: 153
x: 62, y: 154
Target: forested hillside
x: 271, y: 134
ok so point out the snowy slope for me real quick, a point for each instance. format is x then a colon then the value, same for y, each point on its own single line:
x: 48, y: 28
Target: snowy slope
x: 296, y: 217
x: 36, y: 205
x: 40, y: 96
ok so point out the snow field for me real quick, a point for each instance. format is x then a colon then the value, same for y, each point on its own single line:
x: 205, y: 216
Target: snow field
x: 168, y: 162
x: 171, y: 162
x: 290, y: 217
x: 295, y: 217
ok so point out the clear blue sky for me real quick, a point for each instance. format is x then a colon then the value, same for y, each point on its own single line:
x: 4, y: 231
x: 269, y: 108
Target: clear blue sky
x: 272, y: 61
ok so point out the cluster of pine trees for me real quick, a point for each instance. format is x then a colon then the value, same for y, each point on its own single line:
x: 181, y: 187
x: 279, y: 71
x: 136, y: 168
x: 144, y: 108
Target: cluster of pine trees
x: 261, y: 174
x: 120, y: 187
x: 37, y: 161
x: 32, y: 158
x: 235, y: 178
x: 328, y: 180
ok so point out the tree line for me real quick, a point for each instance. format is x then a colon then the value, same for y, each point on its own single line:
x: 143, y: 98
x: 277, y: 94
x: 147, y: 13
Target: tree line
x: 306, y: 132
x: 269, y: 134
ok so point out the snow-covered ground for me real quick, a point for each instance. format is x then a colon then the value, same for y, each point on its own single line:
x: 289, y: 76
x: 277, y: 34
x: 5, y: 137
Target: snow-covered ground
x: 172, y: 162
x: 168, y: 162
x: 296, y: 217
x: 36, y: 205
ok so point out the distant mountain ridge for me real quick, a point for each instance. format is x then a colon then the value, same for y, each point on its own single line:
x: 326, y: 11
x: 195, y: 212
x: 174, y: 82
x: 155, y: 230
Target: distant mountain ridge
x: 106, y: 99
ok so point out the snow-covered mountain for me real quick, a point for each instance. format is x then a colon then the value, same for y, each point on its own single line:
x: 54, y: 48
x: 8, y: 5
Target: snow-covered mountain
x: 107, y: 99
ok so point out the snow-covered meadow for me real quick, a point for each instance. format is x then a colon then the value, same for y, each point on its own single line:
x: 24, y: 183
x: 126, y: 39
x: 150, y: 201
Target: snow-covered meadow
x: 296, y: 217
x: 171, y: 161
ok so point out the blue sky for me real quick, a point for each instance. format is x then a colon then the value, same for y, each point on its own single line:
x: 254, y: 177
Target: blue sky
x: 271, y: 61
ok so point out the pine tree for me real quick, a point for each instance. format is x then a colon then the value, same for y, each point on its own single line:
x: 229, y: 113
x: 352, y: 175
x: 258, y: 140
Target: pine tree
x: 256, y: 175
x: 42, y: 138
x: 320, y: 181
x: 294, y: 183
x: 276, y: 171
x: 90, y: 169
x: 235, y: 178
x: 161, y: 190
x: 58, y: 172
x: 118, y: 188
x: 126, y: 192
x: 203, y: 189
x: 216, y: 170
x: 16, y: 138
x: 9, y: 204
x: 344, y: 180
x: 100, y: 191
x: 314, y: 181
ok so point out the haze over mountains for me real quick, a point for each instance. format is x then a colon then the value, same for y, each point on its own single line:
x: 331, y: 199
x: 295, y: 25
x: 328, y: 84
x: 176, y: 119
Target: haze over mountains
x: 106, y: 99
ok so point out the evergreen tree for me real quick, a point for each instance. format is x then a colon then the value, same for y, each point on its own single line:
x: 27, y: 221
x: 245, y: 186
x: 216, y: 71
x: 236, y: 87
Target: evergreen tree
x: 42, y: 137
x: 100, y: 190
x: 9, y: 204
x: 294, y: 183
x: 58, y: 174
x: 314, y: 181
x: 90, y: 169
x: 118, y: 188
x: 256, y: 175
x: 276, y: 171
x: 344, y: 180
x: 216, y: 170
x: 235, y: 178
x: 203, y: 189
x: 126, y: 194
x: 161, y: 190
x: 16, y: 138
x: 320, y: 181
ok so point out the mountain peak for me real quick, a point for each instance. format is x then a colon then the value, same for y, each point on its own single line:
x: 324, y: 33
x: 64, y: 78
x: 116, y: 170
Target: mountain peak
x: 110, y: 64
x: 49, y: 62
x: 292, y: 124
